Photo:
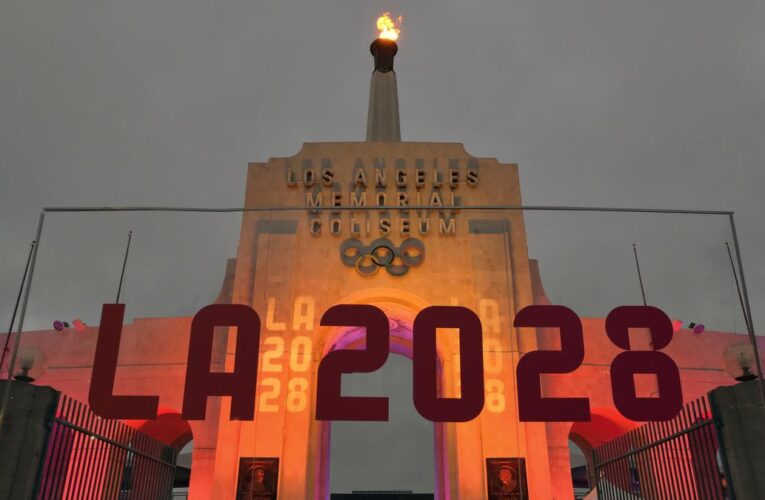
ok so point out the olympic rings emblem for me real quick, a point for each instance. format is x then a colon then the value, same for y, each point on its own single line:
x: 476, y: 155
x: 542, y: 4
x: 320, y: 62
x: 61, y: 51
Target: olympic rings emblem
x: 368, y: 259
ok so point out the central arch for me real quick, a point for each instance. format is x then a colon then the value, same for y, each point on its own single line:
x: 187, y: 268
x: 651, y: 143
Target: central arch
x: 401, y: 308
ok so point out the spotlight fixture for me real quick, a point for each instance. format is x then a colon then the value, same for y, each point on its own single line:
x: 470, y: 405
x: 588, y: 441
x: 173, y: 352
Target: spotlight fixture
x: 77, y: 324
x: 59, y: 326
x: 739, y: 361
x: 32, y: 364
x: 696, y: 327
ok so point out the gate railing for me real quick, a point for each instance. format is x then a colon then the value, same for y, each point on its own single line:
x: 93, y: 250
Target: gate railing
x: 676, y: 459
x: 90, y: 457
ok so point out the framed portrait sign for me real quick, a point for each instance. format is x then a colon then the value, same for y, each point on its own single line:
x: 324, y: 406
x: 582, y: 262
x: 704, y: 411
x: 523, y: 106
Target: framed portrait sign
x: 506, y: 478
x: 258, y: 478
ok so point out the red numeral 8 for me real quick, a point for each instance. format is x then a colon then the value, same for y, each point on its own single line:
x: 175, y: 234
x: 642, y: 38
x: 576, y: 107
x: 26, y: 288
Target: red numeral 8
x: 625, y: 365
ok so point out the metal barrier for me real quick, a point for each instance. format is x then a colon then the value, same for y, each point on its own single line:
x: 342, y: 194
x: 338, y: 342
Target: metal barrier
x: 676, y: 459
x: 89, y: 457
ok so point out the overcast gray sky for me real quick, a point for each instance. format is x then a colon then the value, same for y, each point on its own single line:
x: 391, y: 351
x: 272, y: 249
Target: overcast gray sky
x: 601, y: 102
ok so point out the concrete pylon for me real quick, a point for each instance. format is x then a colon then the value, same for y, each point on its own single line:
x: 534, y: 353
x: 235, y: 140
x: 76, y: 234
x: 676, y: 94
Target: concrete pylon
x: 24, y: 437
x: 383, y: 123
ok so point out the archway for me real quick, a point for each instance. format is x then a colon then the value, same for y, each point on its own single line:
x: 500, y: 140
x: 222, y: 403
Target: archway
x: 183, y: 465
x: 401, y: 308
x: 168, y: 428
x: 171, y: 430
x: 383, y: 456
x: 580, y: 466
x: 604, y: 425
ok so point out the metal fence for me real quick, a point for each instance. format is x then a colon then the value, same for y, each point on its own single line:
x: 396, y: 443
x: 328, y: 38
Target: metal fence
x: 90, y: 457
x: 676, y: 459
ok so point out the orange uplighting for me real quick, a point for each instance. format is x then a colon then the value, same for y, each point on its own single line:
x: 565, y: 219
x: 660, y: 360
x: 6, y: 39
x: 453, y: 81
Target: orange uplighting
x: 389, y: 29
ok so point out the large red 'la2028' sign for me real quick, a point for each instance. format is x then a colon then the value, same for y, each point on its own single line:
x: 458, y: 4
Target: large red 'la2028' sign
x: 240, y: 384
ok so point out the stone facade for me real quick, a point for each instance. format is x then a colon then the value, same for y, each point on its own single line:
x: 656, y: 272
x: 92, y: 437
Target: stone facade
x: 290, y: 269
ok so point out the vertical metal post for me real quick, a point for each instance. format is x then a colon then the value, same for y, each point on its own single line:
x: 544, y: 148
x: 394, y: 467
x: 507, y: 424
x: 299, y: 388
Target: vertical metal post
x: 124, y: 265
x: 16, y: 309
x: 640, y: 276
x: 738, y: 287
x: 12, y: 364
x: 747, y: 308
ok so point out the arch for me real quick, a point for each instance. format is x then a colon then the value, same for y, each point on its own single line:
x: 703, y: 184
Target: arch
x: 580, y: 472
x: 401, y: 308
x: 604, y: 425
x: 170, y: 429
x: 167, y: 428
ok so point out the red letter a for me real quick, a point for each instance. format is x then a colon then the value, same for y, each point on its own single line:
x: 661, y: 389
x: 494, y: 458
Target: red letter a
x: 239, y: 384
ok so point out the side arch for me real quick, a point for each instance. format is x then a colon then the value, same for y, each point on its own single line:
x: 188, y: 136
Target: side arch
x: 605, y: 424
x: 168, y: 428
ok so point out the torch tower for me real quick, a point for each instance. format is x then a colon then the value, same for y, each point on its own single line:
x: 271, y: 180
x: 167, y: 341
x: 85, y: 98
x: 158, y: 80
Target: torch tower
x: 383, y: 123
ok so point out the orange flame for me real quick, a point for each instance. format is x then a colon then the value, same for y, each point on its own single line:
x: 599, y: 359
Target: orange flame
x: 389, y: 29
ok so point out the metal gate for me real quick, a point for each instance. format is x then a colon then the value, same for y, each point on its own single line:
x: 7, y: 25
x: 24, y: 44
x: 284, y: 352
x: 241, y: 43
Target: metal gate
x: 90, y: 457
x: 676, y: 459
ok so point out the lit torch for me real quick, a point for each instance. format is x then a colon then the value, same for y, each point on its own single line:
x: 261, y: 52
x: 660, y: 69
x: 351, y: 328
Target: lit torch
x: 388, y: 28
x: 384, y: 47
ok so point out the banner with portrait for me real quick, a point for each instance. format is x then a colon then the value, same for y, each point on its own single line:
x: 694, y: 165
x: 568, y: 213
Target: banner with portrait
x: 258, y: 478
x: 506, y: 478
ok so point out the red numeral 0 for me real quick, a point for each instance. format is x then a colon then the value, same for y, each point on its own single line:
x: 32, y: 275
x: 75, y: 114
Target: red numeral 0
x: 426, y: 399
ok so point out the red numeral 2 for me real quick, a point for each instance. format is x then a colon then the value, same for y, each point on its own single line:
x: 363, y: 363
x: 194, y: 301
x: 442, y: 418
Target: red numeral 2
x: 532, y: 407
x: 330, y: 405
